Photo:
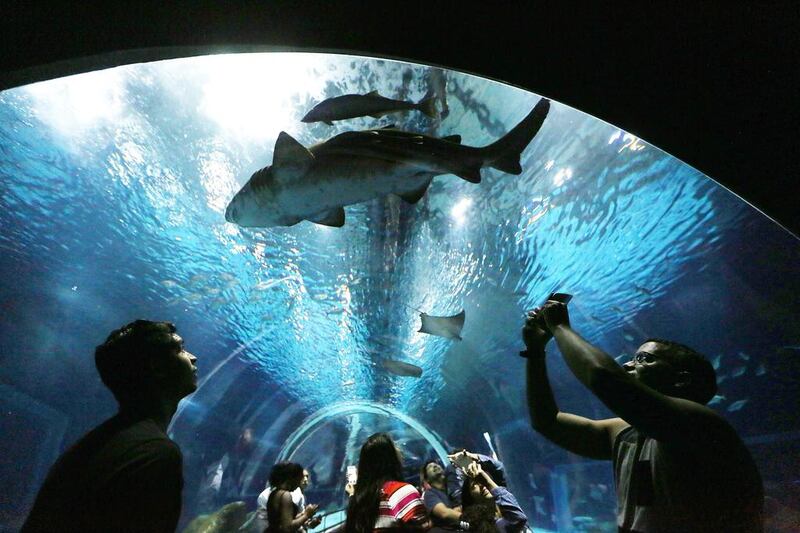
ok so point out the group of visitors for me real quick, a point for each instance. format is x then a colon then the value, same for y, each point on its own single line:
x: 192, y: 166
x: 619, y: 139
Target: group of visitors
x: 678, y: 465
x: 383, y: 501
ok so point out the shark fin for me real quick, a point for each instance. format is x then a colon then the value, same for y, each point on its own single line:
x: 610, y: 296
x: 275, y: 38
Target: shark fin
x: 471, y: 175
x: 290, y: 156
x: 389, y: 127
x: 508, y: 163
x: 504, y: 153
x: 452, y: 138
x: 328, y: 122
x: 414, y: 196
x: 372, y: 93
x: 333, y: 218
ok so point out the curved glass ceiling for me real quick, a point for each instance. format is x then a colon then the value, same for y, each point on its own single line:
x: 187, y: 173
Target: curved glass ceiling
x: 114, y: 189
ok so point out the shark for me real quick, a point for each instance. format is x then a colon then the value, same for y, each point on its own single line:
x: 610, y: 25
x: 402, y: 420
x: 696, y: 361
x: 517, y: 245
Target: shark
x: 371, y: 104
x: 316, y: 183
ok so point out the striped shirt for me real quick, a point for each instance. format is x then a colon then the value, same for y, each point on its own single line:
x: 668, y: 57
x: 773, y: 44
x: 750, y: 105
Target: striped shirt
x: 401, y: 507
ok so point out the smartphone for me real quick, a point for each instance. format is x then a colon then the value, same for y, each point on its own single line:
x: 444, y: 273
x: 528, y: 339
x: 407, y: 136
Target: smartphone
x: 352, y: 475
x: 562, y: 297
x: 463, y: 461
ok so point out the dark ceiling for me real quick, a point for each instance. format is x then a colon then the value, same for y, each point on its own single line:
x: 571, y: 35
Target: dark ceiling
x: 710, y: 82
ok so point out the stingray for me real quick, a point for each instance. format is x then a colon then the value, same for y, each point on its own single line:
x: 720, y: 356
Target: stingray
x: 448, y: 327
x: 401, y: 369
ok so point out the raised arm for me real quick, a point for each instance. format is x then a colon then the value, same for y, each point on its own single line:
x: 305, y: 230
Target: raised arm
x: 512, y: 514
x: 657, y: 415
x: 583, y: 436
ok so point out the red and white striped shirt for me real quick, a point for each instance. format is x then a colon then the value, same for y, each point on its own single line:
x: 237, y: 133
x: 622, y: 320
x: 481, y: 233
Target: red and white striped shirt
x: 401, y: 507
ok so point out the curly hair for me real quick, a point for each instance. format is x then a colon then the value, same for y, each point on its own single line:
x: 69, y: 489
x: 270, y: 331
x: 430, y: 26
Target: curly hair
x: 283, y: 472
x: 481, y: 516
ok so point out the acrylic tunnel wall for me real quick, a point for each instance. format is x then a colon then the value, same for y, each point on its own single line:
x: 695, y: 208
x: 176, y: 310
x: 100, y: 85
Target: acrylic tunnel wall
x: 114, y: 186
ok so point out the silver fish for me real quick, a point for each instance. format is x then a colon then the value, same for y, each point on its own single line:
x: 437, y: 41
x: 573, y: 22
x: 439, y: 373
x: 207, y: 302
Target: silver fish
x: 400, y: 368
x: 316, y: 183
x: 360, y: 105
x: 736, y: 406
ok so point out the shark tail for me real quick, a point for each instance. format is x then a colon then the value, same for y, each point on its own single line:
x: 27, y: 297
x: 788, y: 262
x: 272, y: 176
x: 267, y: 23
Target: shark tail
x: 428, y: 105
x: 504, y: 153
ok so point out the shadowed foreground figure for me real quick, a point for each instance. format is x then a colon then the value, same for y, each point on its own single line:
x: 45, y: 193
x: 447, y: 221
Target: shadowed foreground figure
x: 125, y: 474
x: 678, y: 465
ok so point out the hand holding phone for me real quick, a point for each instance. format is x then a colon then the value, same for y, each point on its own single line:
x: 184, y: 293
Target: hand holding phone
x: 461, y: 460
x: 554, y: 315
x: 352, y: 475
x: 562, y: 297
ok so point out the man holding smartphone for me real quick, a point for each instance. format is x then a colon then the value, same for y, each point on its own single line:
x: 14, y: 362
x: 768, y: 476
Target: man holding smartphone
x: 678, y: 465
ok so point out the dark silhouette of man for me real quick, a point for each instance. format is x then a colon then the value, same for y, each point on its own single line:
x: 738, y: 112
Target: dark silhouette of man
x: 125, y: 474
x: 678, y: 465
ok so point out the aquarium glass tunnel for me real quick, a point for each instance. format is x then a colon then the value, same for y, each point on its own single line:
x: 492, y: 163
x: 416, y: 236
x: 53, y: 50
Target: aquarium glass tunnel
x: 114, y: 186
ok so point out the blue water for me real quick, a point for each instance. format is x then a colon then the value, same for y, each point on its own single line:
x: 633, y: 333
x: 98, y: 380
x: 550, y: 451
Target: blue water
x: 113, y: 187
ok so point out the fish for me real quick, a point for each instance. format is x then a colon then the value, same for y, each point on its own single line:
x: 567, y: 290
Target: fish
x: 737, y: 405
x: 198, y: 278
x: 718, y: 398
x: 264, y: 285
x: 360, y: 105
x: 400, y: 368
x: 644, y: 290
x: 316, y: 183
x: 448, y: 327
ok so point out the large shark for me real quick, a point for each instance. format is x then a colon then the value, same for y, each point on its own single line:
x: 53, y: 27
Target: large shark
x: 316, y: 183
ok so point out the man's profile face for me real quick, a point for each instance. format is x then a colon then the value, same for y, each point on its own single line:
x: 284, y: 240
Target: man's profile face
x: 306, y: 480
x: 652, y: 366
x: 181, y: 369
